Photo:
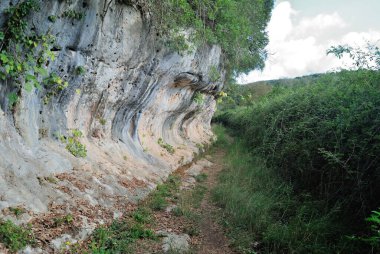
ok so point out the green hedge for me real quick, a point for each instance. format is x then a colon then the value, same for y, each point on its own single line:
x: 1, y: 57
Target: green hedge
x: 323, y: 139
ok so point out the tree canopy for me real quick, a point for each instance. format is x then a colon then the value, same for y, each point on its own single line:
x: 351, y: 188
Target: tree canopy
x: 238, y: 26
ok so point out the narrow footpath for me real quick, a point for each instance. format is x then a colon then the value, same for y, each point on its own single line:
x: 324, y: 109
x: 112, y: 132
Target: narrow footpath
x: 213, y: 239
x: 189, y: 223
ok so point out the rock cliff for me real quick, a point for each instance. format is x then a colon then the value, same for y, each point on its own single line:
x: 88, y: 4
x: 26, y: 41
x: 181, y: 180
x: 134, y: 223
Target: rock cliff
x: 143, y: 109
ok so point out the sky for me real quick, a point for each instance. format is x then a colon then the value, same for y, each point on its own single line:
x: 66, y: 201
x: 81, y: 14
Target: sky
x: 300, y: 32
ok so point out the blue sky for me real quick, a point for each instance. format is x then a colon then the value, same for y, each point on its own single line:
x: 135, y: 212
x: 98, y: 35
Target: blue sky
x: 300, y: 32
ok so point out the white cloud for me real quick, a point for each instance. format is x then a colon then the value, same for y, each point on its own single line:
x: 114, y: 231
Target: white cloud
x: 299, y: 48
x: 319, y: 24
x: 360, y: 39
x: 280, y: 25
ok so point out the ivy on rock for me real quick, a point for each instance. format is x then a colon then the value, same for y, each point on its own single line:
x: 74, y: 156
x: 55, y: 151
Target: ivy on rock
x: 24, y: 54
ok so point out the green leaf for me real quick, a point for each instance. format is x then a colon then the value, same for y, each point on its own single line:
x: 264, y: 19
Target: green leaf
x: 12, y: 99
x: 28, y: 87
x: 4, y: 58
x: 8, y: 69
x: 37, y: 85
x: 30, y: 77
x: 41, y: 71
x: 3, y: 76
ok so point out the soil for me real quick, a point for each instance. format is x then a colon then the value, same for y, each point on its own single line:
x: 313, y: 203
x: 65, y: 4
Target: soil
x: 211, y: 237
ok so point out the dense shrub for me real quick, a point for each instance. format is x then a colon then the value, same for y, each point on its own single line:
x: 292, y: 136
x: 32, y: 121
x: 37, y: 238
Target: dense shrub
x: 261, y: 212
x: 322, y: 139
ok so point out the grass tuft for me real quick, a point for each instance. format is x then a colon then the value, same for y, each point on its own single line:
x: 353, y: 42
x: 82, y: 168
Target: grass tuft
x: 14, y: 237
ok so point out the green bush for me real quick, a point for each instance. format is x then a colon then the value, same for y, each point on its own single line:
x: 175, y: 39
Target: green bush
x: 322, y: 140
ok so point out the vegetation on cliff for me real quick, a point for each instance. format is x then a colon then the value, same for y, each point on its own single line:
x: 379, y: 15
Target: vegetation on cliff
x: 237, y: 26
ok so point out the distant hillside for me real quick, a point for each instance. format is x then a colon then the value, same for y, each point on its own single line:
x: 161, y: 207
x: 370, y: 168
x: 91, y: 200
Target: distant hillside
x: 289, y: 81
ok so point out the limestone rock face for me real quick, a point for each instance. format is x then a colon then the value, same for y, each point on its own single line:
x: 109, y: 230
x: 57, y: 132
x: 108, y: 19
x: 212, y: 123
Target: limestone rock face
x: 133, y: 92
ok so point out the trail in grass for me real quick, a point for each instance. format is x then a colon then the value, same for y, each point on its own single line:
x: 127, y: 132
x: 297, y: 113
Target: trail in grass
x: 212, y: 234
x: 192, y: 212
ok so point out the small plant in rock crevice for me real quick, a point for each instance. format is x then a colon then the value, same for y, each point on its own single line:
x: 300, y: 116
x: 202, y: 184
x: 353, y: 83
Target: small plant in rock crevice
x: 73, y: 145
x: 17, y: 211
x: 177, y: 211
x: 142, y: 215
x: 198, y: 98
x: 166, y: 146
x: 122, y: 235
x: 67, y: 219
x: 54, y: 84
x: 201, y: 177
x: 118, y: 237
x: 158, y: 200
x: 80, y: 70
x: 200, y: 147
x: 72, y: 14
x: 102, y: 121
x: 52, y: 18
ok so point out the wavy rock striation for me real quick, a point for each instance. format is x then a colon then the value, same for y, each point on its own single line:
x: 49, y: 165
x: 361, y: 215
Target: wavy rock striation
x: 134, y: 92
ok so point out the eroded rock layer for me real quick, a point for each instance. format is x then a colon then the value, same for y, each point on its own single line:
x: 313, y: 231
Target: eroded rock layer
x: 134, y: 97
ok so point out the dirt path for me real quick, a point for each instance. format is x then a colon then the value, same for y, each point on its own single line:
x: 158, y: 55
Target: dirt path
x: 191, y: 212
x: 212, y: 234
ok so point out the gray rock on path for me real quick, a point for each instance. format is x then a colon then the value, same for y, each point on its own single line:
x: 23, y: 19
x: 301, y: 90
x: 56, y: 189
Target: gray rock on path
x: 192, y: 172
x: 30, y: 250
x: 175, y: 242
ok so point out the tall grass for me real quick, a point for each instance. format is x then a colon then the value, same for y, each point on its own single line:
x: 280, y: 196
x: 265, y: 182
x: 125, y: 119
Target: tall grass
x: 261, y: 208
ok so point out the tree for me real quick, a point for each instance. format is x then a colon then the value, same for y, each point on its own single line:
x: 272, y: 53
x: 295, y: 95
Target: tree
x: 367, y: 58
